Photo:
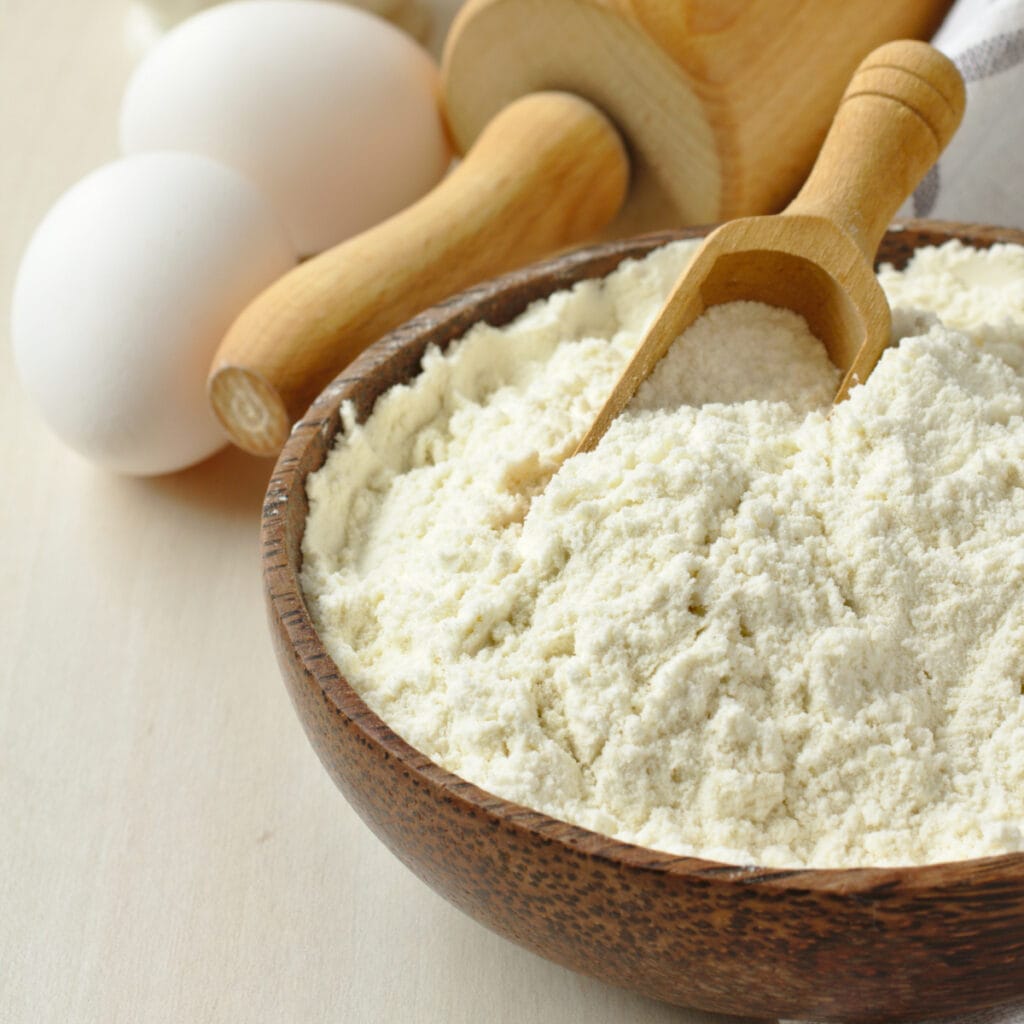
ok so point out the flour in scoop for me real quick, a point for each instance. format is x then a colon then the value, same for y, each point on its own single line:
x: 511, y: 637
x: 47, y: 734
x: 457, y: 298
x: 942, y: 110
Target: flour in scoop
x: 741, y: 628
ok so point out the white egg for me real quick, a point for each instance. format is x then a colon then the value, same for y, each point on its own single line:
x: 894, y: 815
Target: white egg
x: 123, y: 294
x: 331, y: 111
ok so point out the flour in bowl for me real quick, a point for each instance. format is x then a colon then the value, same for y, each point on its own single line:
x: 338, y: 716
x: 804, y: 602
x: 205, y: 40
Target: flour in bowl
x: 741, y: 628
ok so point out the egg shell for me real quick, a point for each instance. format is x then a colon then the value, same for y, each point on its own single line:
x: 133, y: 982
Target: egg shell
x: 123, y: 295
x: 331, y: 111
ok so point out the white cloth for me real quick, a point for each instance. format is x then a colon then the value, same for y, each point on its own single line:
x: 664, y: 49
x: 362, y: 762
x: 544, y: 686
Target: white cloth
x: 980, y: 177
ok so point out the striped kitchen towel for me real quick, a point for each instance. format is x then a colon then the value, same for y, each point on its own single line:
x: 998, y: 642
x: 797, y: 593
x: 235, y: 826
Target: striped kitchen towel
x: 980, y: 177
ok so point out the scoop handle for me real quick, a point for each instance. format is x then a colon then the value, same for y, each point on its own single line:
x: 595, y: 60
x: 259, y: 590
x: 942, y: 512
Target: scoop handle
x: 901, y: 108
x: 549, y: 171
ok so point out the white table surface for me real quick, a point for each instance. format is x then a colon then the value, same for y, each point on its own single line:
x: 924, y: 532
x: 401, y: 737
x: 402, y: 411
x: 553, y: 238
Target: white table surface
x: 170, y: 848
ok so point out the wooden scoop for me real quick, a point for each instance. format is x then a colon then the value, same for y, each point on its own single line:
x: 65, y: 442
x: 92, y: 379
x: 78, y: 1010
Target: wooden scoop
x: 577, y: 118
x: 902, y: 106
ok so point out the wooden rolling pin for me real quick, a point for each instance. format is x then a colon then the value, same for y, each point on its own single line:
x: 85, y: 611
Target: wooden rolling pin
x: 578, y: 118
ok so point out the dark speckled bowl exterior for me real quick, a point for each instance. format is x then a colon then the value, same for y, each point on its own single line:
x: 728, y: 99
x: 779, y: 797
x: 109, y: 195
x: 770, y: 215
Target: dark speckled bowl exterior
x: 859, y: 944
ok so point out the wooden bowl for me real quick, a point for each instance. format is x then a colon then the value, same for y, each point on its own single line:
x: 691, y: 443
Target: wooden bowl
x: 861, y: 944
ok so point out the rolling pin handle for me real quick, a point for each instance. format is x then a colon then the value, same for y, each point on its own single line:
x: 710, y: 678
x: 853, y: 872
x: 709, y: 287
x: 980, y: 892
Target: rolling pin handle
x: 549, y: 171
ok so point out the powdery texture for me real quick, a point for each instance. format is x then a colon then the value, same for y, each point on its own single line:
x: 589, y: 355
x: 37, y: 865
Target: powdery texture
x: 741, y: 628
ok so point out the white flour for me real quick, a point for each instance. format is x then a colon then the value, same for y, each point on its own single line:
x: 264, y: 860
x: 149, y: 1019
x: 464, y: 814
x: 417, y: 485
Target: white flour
x: 747, y: 631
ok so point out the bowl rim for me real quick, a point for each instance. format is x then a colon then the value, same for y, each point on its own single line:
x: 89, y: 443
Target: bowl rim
x: 287, y: 609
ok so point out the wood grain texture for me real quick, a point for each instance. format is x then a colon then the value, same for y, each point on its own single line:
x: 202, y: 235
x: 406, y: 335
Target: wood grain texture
x: 724, y: 104
x: 548, y: 172
x: 901, y: 108
x: 498, y: 50
x: 864, y: 944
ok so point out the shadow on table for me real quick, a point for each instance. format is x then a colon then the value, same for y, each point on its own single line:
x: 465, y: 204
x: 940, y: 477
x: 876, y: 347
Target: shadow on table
x: 230, y: 484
